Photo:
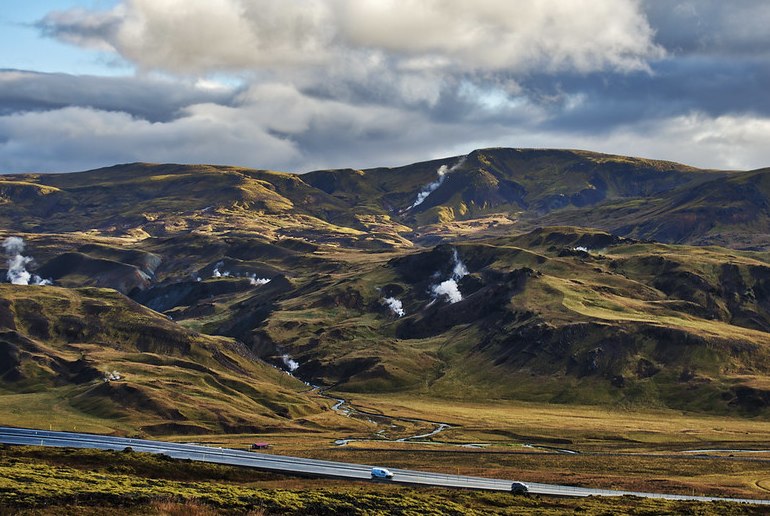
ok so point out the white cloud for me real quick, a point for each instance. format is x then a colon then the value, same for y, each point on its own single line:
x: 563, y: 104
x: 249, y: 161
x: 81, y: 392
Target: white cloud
x: 522, y: 35
x: 201, y: 36
x: 276, y: 126
x: 76, y: 138
x: 725, y: 142
x: 272, y: 126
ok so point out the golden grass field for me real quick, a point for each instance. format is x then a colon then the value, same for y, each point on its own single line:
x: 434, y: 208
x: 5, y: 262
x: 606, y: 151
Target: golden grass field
x: 618, y: 449
x: 38, y: 481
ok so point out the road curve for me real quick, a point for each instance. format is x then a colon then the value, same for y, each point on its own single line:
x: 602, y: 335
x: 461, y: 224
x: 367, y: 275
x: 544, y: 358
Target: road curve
x: 302, y: 466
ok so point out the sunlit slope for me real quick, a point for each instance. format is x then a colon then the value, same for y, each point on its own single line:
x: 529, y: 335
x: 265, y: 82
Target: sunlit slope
x: 559, y: 315
x: 441, y: 278
x: 385, y: 208
x: 146, y: 199
x: 531, y: 186
x: 59, y: 347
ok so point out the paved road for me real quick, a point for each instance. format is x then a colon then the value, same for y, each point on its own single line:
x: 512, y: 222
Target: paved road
x: 302, y: 466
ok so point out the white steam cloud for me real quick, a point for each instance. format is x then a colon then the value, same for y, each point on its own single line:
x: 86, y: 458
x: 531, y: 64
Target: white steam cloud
x: 432, y: 187
x: 459, y: 270
x: 17, y: 264
x: 112, y: 376
x: 291, y: 364
x: 253, y: 279
x: 449, y: 287
x: 395, y: 306
x: 217, y: 273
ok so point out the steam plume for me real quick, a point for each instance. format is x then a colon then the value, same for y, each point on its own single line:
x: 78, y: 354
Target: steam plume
x: 459, y: 270
x: 449, y: 288
x: 432, y: 187
x: 17, y: 264
x: 395, y: 306
x: 253, y: 279
x: 258, y: 281
x: 291, y: 364
x: 217, y: 274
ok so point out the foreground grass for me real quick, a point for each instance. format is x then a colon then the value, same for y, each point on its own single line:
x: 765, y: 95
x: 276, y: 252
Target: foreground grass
x: 85, y: 482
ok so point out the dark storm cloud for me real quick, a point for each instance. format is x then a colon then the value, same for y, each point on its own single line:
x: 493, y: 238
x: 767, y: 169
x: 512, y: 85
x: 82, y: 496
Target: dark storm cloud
x: 154, y: 100
x: 714, y: 27
x: 714, y: 86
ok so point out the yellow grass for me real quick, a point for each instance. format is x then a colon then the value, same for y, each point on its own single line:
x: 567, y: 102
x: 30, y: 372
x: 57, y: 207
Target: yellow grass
x: 584, y: 426
x: 586, y: 301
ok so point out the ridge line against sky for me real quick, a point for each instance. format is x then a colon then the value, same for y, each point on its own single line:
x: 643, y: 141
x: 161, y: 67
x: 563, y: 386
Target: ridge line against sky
x: 305, y: 84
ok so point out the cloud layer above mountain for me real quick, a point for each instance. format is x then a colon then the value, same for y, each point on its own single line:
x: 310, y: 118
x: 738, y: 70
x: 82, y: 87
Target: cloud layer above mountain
x: 299, y: 85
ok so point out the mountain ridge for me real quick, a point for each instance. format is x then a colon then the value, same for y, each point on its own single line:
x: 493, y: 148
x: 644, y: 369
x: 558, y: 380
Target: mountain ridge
x: 535, y: 275
x: 630, y: 196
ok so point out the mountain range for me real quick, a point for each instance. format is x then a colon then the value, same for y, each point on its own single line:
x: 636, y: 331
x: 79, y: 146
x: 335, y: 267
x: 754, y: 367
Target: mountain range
x: 544, y: 275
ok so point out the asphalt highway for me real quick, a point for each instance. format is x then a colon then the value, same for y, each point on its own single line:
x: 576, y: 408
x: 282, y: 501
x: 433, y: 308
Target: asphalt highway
x: 311, y: 467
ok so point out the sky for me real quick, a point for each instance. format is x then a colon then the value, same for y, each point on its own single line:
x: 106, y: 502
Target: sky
x: 300, y: 85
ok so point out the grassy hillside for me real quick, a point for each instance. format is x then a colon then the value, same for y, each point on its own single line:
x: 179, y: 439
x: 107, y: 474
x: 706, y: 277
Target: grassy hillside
x: 95, y: 358
x: 377, y: 208
x: 526, y: 185
x: 563, y: 314
x: 559, y: 314
x: 344, y: 272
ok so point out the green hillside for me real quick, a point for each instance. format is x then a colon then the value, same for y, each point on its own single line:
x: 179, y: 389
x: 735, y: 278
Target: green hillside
x: 375, y: 209
x: 93, y: 357
x: 493, y: 286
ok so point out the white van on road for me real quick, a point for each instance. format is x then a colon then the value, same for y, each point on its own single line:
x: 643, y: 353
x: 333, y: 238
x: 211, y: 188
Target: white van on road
x: 381, y: 473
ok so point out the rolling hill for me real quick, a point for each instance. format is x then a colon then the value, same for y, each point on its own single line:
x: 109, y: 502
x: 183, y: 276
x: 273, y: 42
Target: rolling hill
x: 107, y: 362
x: 545, y: 275
x: 517, y: 188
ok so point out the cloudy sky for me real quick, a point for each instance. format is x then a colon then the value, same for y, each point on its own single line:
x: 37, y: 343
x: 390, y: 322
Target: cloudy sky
x: 298, y: 85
